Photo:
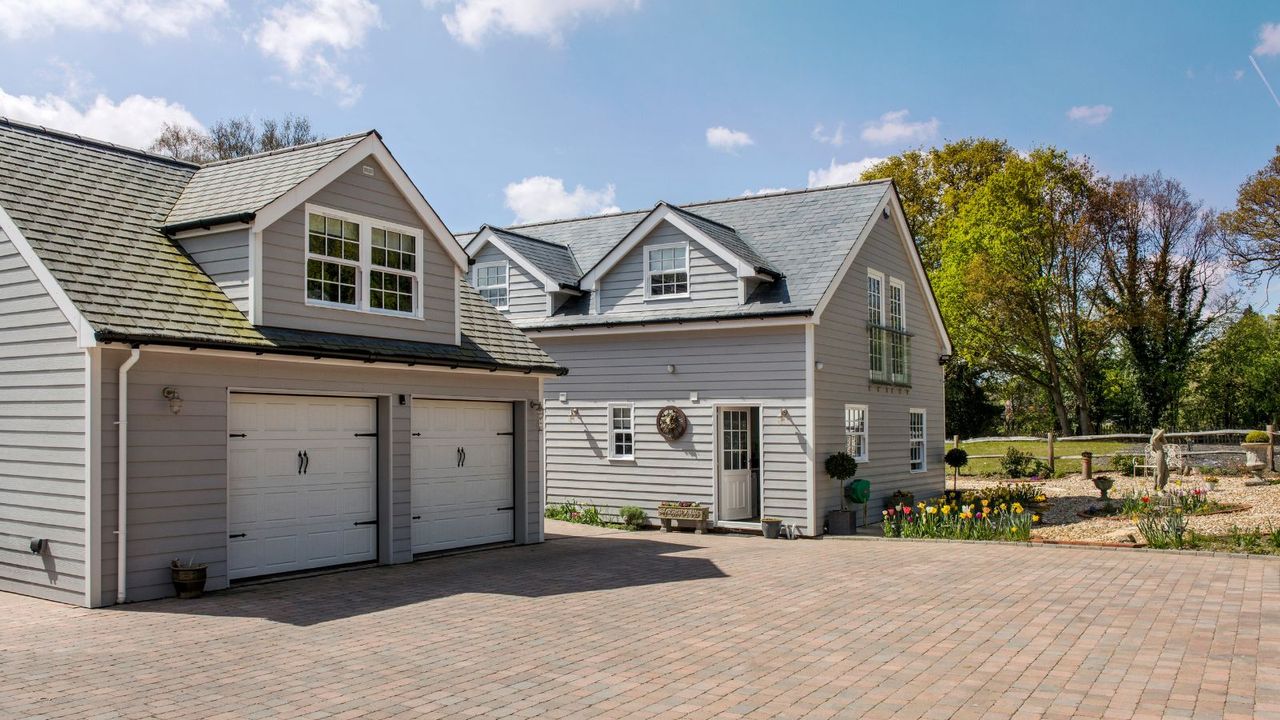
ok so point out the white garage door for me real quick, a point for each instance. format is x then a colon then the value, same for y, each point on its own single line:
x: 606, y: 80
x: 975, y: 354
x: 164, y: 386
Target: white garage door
x: 302, y: 483
x: 462, y: 492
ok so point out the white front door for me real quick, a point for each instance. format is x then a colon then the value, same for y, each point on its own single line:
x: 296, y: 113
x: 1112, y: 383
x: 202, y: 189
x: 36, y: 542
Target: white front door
x: 302, y: 483
x: 735, y: 464
x: 463, y: 474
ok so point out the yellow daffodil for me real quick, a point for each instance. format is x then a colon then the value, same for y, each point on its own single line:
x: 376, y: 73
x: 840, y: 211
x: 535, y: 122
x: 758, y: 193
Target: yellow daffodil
x: 1035, y: 518
x: 1039, y: 498
x: 931, y: 510
x: 1004, y: 506
x: 1017, y: 507
x: 946, y: 509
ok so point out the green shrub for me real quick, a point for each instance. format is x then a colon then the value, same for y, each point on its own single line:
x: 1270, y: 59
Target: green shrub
x: 1018, y: 463
x: 562, y: 511
x: 633, y: 517
x: 1164, y: 529
x: 1125, y: 463
x: 572, y: 511
x: 841, y: 466
x: 1008, y: 493
x: 1257, y: 436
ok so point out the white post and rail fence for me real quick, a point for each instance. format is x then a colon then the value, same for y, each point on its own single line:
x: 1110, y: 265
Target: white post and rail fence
x: 1050, y: 456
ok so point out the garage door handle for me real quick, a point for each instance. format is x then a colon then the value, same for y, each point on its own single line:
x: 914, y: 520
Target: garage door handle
x: 236, y: 535
x: 417, y: 434
x: 509, y: 507
x: 306, y: 462
x: 507, y: 433
x: 374, y: 434
x: 299, y: 462
x: 237, y: 435
x: 417, y: 517
x: 366, y: 522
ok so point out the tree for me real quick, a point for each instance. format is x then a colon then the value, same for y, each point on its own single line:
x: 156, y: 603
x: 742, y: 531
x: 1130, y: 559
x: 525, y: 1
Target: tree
x: 935, y: 183
x: 970, y: 411
x: 1018, y: 282
x: 232, y: 138
x: 1252, y: 229
x: 1236, y: 380
x: 1157, y: 260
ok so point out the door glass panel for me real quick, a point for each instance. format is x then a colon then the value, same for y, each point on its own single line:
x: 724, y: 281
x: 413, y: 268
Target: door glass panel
x: 734, y: 440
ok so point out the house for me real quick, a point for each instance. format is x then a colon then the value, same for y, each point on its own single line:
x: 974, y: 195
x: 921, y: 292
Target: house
x: 270, y: 364
x: 782, y: 327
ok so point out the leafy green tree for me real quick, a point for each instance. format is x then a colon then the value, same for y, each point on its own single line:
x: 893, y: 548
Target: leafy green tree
x: 1252, y: 229
x: 970, y: 410
x: 1157, y: 261
x: 1236, y: 380
x: 935, y: 183
x: 1018, y: 281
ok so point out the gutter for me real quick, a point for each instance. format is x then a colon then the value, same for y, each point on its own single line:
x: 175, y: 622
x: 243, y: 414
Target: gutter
x: 207, y: 223
x: 370, y: 358
x: 122, y: 474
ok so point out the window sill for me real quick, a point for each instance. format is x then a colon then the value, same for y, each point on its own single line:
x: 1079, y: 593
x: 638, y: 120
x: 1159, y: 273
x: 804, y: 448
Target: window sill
x: 683, y: 296
x: 623, y: 459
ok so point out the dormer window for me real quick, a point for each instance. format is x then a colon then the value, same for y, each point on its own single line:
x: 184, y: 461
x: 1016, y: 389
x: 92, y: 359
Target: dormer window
x: 666, y: 271
x: 492, y: 282
x: 361, y: 263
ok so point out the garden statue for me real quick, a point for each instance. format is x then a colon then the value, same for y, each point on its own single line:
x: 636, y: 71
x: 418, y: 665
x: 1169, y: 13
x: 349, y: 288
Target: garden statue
x: 1162, y: 462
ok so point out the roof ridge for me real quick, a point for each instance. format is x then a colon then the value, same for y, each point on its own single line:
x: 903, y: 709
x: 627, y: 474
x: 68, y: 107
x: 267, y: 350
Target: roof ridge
x: 700, y: 203
x: 94, y: 142
x: 730, y: 228
x: 291, y: 148
x: 544, y: 241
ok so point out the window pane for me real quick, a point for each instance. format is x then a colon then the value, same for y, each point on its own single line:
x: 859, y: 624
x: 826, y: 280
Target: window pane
x: 316, y: 224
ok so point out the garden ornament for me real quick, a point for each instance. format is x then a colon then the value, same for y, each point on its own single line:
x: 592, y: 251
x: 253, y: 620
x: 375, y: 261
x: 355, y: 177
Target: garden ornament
x: 1162, y: 462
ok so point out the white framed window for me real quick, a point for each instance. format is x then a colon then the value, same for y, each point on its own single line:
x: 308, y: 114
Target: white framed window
x: 360, y: 263
x: 897, y: 340
x: 917, y: 438
x: 666, y: 271
x: 875, y: 321
x: 855, y: 431
x: 492, y: 280
x: 622, y: 438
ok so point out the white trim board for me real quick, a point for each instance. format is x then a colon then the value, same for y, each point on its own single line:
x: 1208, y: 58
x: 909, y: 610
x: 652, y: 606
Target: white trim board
x: 660, y: 213
x: 84, y: 331
x: 267, y: 354
x: 666, y: 326
x: 370, y: 147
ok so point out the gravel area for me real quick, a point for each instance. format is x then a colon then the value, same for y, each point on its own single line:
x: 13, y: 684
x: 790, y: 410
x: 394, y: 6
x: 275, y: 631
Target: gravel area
x: 1072, y: 494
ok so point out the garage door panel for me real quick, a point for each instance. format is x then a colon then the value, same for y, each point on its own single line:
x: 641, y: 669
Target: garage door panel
x: 463, y: 505
x: 291, y: 520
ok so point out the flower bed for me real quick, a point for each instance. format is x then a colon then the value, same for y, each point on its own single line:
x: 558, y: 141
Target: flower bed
x: 954, y: 521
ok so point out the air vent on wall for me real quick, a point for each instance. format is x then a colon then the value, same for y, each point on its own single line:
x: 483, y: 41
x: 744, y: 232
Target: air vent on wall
x: 367, y: 170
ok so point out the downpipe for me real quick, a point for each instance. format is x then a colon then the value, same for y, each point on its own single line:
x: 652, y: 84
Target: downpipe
x: 122, y: 474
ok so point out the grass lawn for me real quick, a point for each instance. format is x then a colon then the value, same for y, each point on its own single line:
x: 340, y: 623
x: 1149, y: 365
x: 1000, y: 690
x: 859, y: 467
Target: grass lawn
x: 991, y: 466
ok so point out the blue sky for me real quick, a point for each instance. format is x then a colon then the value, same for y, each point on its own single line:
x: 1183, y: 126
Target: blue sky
x: 505, y: 111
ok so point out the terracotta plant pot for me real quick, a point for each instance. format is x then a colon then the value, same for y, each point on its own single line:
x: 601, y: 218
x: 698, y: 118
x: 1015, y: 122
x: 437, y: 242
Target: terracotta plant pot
x: 188, y: 580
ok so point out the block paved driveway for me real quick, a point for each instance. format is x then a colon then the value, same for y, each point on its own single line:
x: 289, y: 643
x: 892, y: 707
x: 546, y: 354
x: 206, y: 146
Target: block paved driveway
x: 620, y: 625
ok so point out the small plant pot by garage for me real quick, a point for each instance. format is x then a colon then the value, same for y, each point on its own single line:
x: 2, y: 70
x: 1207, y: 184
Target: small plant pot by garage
x: 188, y: 580
x: 840, y: 522
x: 771, y: 528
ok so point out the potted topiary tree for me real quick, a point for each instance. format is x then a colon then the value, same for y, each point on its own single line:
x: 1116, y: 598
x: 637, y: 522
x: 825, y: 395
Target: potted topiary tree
x: 841, y: 467
x: 956, y: 459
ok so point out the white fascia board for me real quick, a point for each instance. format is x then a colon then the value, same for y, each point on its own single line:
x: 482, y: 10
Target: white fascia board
x: 922, y: 275
x: 211, y: 230
x: 488, y: 236
x: 642, y: 230
x: 370, y: 147
x: 84, y: 331
x: 266, y: 354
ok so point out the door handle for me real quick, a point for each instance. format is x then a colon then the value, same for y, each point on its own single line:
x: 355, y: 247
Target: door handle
x: 236, y: 535
x: 239, y: 435
x: 365, y: 522
x: 306, y: 462
x: 509, y: 507
x: 417, y: 517
x: 464, y: 457
x: 458, y: 450
x: 299, y: 462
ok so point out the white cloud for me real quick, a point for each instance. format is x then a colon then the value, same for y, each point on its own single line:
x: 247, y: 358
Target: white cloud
x: 841, y: 174
x: 471, y: 21
x: 544, y: 198
x: 309, y: 36
x: 763, y: 191
x: 1089, y: 114
x: 894, y: 128
x: 149, y: 18
x: 836, y: 138
x: 134, y: 121
x: 722, y: 138
x: 1268, y: 40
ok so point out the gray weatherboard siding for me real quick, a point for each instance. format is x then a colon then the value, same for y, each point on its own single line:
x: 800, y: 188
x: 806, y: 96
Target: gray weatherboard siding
x: 764, y: 365
x: 526, y: 297
x: 224, y: 256
x: 42, y: 433
x: 840, y: 344
x: 284, y: 271
x: 178, y: 463
x: 712, y: 281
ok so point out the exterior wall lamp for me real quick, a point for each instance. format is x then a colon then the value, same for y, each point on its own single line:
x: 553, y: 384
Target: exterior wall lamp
x: 175, y: 399
x: 944, y: 359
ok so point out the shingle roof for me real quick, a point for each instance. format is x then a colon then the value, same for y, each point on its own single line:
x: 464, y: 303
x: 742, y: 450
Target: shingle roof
x: 551, y: 258
x: 729, y: 238
x: 250, y: 183
x: 803, y: 235
x: 92, y: 213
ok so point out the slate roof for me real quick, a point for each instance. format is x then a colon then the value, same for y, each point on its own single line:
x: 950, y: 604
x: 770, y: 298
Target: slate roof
x: 803, y: 235
x: 248, y: 184
x: 730, y: 239
x: 92, y: 213
x: 554, y: 259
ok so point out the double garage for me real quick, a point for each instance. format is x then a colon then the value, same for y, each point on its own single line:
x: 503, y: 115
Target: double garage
x: 303, y: 479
